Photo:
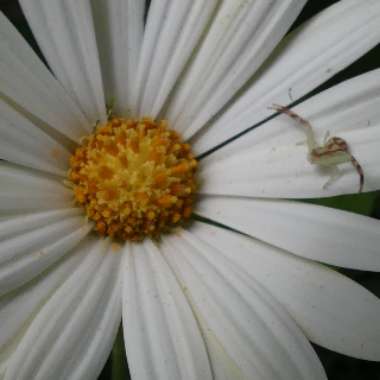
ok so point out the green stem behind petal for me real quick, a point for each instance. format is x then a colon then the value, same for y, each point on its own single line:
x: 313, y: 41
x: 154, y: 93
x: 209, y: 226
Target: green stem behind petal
x: 119, y: 365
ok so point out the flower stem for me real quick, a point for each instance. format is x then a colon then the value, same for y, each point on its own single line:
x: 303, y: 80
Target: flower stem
x: 119, y: 369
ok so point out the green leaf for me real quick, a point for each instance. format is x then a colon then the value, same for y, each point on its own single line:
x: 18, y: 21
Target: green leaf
x: 363, y: 204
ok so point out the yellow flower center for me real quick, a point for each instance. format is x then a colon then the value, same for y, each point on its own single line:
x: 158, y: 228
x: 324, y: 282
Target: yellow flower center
x: 134, y: 178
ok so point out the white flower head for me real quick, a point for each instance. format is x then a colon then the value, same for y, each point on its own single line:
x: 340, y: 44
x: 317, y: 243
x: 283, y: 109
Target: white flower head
x: 202, y: 301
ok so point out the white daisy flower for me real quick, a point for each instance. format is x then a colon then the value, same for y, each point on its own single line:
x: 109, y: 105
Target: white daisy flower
x: 200, y: 302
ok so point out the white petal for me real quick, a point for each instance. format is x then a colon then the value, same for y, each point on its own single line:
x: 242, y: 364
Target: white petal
x: 23, y: 143
x: 156, y: 14
x: 319, y: 233
x: 25, y: 80
x: 65, y: 33
x: 34, y: 240
x: 237, y: 314
x: 162, y: 338
x: 73, y: 333
x: 331, y: 309
x: 181, y: 29
x: 25, y: 190
x: 20, y: 224
x: 119, y: 28
x: 242, y: 35
x: 309, y: 56
x: 18, y: 307
x: 25, y: 256
x: 270, y: 162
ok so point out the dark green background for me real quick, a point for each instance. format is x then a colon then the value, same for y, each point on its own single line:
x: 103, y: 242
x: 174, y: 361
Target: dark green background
x: 338, y: 367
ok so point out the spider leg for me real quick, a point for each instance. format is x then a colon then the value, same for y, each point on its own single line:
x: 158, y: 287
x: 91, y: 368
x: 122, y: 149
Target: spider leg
x: 309, y: 131
x: 339, y: 144
x: 291, y: 114
x: 335, y: 174
x: 359, y: 169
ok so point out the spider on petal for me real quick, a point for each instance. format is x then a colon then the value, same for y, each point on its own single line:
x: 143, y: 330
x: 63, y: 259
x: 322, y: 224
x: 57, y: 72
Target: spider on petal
x: 333, y: 152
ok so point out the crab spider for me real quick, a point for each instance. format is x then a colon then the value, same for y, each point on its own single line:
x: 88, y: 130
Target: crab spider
x: 333, y: 152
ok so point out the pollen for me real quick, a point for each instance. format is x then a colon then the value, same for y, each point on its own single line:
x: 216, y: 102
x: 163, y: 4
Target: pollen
x: 134, y: 178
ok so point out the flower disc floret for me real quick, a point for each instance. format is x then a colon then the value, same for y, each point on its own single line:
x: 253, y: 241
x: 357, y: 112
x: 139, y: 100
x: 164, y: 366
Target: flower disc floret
x: 134, y: 178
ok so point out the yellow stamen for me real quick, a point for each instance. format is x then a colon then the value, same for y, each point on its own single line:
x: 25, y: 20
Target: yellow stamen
x: 134, y: 178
